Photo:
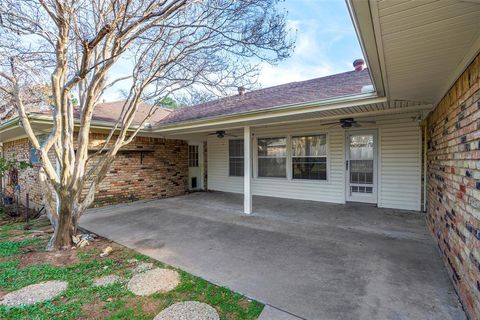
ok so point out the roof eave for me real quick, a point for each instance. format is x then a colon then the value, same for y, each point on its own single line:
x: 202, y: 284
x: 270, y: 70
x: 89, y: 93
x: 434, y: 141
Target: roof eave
x: 273, y: 112
x: 364, y: 24
x: 36, y: 118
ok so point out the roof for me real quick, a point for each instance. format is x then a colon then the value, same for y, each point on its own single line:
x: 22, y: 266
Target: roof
x: 110, y: 112
x: 338, y: 85
x: 416, y: 50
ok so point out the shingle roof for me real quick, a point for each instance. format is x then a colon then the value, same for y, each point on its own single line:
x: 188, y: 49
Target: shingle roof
x: 110, y: 112
x: 342, y: 84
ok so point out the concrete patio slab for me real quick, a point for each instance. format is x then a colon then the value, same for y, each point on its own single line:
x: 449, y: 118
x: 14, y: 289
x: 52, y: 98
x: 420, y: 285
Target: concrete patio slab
x: 311, y: 259
x: 270, y: 313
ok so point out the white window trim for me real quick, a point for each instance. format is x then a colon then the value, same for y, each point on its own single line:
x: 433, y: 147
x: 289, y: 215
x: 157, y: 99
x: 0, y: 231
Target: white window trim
x: 289, y: 176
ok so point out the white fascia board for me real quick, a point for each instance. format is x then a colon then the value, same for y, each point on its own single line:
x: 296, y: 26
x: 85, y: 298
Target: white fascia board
x: 95, y: 124
x: 365, y: 23
x: 272, y: 113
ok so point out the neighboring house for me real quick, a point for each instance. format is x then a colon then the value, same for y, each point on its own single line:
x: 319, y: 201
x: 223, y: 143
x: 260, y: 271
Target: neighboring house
x: 417, y: 146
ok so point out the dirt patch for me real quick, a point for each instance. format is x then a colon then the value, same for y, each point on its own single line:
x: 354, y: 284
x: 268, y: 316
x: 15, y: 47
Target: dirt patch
x: 150, y: 306
x: 58, y: 259
x: 37, y: 255
x: 94, y: 310
x: 2, y: 293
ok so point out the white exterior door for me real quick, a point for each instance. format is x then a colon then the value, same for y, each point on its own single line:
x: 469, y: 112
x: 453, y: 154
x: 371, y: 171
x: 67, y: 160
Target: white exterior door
x: 195, y: 166
x: 361, y: 166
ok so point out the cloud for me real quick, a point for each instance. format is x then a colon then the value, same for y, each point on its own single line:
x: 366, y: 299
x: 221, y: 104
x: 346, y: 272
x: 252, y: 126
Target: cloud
x: 326, y: 44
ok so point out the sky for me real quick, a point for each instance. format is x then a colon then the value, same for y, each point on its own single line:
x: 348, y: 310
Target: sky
x: 326, y: 44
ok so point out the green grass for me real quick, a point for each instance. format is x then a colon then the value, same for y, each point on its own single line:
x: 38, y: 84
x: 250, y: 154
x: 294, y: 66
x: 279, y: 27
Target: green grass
x: 82, y: 300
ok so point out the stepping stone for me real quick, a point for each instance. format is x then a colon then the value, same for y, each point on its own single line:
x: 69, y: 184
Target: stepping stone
x: 155, y: 280
x: 188, y: 310
x: 142, y: 267
x: 105, y: 281
x: 34, y: 293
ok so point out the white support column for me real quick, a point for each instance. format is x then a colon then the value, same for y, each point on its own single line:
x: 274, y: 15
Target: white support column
x: 247, y: 174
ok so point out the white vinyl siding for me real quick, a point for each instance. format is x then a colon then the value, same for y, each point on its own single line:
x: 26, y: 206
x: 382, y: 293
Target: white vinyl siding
x: 218, y: 167
x: 399, y: 164
x: 331, y: 190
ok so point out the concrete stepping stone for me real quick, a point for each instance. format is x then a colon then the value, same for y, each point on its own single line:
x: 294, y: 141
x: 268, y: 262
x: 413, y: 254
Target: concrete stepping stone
x: 188, y: 310
x: 155, y: 280
x: 142, y: 267
x: 34, y: 293
x: 106, y: 280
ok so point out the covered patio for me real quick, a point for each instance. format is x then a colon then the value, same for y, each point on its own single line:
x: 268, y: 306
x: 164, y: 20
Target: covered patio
x: 303, y: 259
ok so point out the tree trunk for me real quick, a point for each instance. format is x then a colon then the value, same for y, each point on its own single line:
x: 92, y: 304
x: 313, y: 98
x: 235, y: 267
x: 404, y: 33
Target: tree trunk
x: 65, y: 227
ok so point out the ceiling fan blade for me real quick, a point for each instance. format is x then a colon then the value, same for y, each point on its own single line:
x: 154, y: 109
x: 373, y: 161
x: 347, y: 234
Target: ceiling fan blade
x: 330, y: 123
x: 368, y: 121
x: 212, y: 134
x: 356, y: 124
x: 230, y: 135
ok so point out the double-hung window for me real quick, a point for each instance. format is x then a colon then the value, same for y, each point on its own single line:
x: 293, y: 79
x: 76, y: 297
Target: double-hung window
x: 34, y: 159
x: 309, y: 157
x: 236, y: 158
x: 272, y: 157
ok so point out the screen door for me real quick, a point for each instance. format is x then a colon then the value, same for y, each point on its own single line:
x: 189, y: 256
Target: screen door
x: 361, y: 166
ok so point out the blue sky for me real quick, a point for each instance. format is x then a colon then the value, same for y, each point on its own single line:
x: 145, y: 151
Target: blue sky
x: 326, y: 42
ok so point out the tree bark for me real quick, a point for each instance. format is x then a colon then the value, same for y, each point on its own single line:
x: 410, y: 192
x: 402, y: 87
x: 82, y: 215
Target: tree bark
x: 65, y: 226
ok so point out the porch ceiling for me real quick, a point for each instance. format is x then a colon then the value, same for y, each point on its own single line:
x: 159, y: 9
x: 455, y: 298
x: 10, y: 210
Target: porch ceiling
x: 421, y: 47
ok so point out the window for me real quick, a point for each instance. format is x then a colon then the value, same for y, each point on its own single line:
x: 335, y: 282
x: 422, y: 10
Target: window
x: 272, y: 157
x: 309, y: 157
x: 193, y: 156
x: 34, y: 159
x: 236, y: 159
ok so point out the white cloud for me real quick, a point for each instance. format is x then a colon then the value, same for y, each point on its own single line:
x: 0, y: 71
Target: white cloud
x: 315, y: 54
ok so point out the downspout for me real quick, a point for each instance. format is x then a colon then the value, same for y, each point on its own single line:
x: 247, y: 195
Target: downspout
x: 425, y: 167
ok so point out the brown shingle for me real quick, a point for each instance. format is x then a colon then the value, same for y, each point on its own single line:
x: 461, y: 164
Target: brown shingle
x: 110, y: 112
x: 337, y: 85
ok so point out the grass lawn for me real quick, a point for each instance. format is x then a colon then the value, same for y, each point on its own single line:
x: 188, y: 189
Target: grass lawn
x: 23, y: 261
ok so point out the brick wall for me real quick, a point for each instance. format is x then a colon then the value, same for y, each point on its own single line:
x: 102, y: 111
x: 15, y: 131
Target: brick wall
x: 27, y: 179
x: 148, y: 168
x: 453, y: 210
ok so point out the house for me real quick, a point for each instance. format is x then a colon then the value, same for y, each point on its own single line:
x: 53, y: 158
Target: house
x: 403, y: 133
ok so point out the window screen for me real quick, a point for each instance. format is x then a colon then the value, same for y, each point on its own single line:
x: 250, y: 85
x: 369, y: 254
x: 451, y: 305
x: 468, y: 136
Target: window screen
x: 193, y: 156
x: 272, y: 157
x: 236, y: 158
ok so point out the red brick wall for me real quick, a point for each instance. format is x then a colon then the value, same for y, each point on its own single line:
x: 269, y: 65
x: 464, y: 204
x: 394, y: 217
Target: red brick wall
x: 453, y: 210
x: 161, y: 173
x: 161, y: 170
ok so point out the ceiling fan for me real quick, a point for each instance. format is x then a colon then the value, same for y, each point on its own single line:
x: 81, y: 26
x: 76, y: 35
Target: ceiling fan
x: 347, y: 123
x: 220, y: 134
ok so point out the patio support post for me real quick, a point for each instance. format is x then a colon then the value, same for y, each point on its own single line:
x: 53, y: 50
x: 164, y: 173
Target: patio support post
x: 247, y: 174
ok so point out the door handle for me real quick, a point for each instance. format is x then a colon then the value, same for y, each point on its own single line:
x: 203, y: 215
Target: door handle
x: 346, y: 165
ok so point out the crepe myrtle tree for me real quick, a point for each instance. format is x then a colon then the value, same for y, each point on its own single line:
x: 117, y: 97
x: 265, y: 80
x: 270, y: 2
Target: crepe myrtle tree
x: 81, y: 48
